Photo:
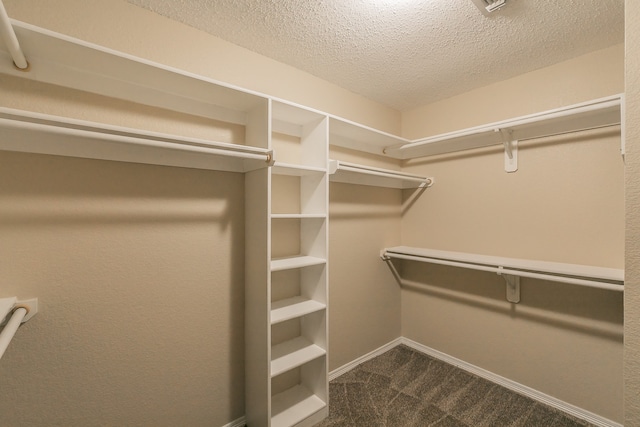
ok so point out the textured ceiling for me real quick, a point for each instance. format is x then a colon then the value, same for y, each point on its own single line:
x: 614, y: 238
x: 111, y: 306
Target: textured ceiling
x: 406, y: 53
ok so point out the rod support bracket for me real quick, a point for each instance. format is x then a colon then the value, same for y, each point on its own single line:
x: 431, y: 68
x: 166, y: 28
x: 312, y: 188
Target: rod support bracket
x: 510, y: 149
x: 512, y: 285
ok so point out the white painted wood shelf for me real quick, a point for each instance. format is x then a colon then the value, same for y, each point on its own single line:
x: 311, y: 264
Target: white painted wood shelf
x: 293, y: 406
x: 280, y: 168
x: 294, y: 307
x: 589, y: 115
x: 293, y: 353
x: 298, y: 216
x: 352, y: 173
x: 290, y: 263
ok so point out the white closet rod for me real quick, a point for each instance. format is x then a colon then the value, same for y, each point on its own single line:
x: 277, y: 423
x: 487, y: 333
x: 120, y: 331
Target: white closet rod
x: 352, y: 167
x: 150, y: 140
x: 501, y: 270
x: 10, y: 329
x: 11, y: 41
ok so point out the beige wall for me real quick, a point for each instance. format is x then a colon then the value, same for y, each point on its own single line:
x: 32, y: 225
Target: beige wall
x: 364, y: 311
x: 139, y: 274
x: 632, y: 182
x: 565, y: 204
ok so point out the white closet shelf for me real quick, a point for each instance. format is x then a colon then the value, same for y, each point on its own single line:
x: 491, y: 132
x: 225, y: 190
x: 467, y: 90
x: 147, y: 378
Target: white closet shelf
x: 594, y: 114
x: 280, y: 168
x: 294, y: 405
x: 292, y: 308
x: 293, y: 353
x: 65, y: 61
x: 591, y: 276
x: 293, y: 119
x: 29, y: 132
x: 290, y: 263
x: 348, y: 134
x: 298, y: 216
x: 352, y: 173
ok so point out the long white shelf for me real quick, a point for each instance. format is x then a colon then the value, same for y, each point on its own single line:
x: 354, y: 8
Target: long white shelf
x: 597, y: 277
x: 594, y: 114
x: 348, y: 134
x: 280, y: 168
x: 294, y: 405
x: 298, y: 216
x: 290, y: 263
x: 293, y: 353
x: 30, y: 132
x: 352, y: 173
x: 292, y: 308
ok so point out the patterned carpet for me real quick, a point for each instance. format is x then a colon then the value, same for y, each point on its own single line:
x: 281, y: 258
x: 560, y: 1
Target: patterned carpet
x: 403, y: 387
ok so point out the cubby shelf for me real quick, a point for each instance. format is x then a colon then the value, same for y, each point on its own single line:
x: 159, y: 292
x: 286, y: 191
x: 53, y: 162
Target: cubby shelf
x: 300, y: 261
x: 292, y: 308
x: 293, y: 353
x: 280, y: 168
x: 298, y: 216
x: 294, y: 405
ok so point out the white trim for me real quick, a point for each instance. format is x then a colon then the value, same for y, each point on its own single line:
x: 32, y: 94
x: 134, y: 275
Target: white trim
x: 353, y: 364
x: 512, y: 385
x: 240, y: 422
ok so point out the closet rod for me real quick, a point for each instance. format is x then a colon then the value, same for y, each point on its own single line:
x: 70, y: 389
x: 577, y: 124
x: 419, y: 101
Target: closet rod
x: 509, y: 271
x: 11, y: 327
x: 11, y: 41
x: 143, y: 140
x: 369, y: 170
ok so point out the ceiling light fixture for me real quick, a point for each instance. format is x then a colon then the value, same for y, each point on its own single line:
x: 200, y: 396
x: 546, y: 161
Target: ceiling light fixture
x: 488, y: 6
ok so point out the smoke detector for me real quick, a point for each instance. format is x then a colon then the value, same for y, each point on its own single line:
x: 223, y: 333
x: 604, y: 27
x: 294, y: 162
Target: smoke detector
x: 488, y: 6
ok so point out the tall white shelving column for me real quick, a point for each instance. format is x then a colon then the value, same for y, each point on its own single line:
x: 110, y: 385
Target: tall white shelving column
x: 298, y: 268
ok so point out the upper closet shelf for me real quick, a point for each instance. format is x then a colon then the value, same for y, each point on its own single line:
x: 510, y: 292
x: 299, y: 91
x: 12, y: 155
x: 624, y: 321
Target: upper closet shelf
x: 348, y: 134
x: 584, y: 116
x: 352, y: 173
x: 30, y: 132
x: 61, y: 60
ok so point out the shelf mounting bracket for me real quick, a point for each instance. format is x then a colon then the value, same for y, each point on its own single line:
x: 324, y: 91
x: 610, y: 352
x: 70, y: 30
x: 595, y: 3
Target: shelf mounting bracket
x: 513, y: 286
x: 510, y: 150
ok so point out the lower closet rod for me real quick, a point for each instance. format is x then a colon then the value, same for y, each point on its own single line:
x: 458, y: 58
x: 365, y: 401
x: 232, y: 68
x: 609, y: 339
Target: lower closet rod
x: 11, y: 327
x: 521, y: 273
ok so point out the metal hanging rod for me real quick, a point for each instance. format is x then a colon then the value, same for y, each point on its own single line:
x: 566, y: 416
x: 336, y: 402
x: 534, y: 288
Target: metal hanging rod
x: 18, y: 120
x: 594, y: 277
x: 11, y: 41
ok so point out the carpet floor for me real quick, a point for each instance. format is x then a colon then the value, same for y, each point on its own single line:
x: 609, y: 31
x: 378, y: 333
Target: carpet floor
x: 403, y: 387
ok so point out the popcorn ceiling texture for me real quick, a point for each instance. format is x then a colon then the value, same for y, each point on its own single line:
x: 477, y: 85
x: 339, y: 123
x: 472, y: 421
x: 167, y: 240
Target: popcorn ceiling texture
x: 406, y: 53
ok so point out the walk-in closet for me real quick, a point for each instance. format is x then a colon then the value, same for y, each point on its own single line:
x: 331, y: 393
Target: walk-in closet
x: 195, y: 232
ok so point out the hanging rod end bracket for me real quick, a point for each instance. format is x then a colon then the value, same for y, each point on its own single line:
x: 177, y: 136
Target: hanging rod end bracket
x: 31, y: 305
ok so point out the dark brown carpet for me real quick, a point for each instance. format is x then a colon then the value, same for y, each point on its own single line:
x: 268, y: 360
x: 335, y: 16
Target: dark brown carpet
x: 403, y: 387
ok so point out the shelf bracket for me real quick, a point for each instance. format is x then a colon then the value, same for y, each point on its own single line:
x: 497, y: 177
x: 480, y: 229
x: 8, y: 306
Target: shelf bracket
x: 513, y: 286
x: 510, y: 150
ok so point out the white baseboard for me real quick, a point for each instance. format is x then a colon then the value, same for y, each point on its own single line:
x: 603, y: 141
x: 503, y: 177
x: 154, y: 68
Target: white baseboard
x: 353, y: 364
x: 512, y: 385
x: 240, y: 422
